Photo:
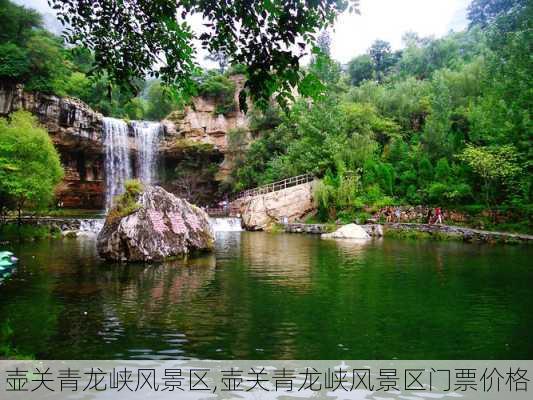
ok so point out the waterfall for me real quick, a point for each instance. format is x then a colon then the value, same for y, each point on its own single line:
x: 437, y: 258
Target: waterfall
x: 226, y: 224
x: 117, y: 157
x: 117, y: 154
x: 91, y: 226
x: 146, y: 137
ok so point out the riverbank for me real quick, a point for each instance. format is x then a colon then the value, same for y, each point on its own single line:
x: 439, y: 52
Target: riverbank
x: 421, y: 231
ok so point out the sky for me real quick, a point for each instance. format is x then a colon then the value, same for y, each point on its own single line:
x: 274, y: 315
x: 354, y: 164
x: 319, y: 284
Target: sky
x: 380, y: 19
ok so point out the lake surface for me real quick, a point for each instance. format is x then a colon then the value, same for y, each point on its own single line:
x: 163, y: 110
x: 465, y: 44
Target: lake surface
x: 275, y: 296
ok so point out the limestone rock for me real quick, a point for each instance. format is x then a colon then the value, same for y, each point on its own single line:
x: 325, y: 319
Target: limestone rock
x: 163, y: 226
x: 287, y: 205
x: 350, y: 231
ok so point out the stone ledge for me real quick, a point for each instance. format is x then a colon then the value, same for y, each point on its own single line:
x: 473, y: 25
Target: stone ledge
x: 437, y: 231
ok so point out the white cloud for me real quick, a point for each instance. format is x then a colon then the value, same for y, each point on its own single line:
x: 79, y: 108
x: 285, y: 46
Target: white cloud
x: 380, y: 19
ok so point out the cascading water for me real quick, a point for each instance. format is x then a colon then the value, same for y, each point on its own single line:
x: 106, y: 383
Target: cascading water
x: 117, y: 154
x: 146, y: 137
x: 226, y: 224
x: 117, y: 157
x: 91, y: 226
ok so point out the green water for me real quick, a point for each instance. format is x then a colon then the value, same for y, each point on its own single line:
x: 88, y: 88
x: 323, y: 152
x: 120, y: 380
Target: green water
x: 267, y: 296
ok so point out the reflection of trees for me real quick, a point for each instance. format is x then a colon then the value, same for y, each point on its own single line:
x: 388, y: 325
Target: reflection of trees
x: 275, y: 296
x: 279, y: 259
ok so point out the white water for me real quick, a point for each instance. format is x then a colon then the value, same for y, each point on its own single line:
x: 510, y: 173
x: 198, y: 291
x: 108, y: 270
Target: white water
x: 146, y: 137
x: 91, y: 226
x: 117, y: 154
x: 226, y: 224
x: 117, y: 157
x: 94, y: 226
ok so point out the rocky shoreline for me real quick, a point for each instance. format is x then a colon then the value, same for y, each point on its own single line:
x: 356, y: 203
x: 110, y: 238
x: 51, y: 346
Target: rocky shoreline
x: 440, y: 232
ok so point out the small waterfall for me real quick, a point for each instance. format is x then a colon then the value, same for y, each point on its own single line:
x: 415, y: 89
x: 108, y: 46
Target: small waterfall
x: 91, y: 226
x: 117, y: 157
x: 226, y: 224
x: 146, y: 137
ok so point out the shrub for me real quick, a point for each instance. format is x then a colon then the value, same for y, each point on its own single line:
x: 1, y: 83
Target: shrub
x: 221, y: 89
x: 126, y: 203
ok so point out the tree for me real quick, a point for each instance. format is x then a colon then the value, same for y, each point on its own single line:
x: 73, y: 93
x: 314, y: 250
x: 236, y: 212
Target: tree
x: 483, y: 12
x: 29, y: 163
x: 17, y: 22
x: 493, y: 165
x: 327, y: 70
x: 360, y: 69
x: 14, y: 63
x: 383, y: 58
x: 131, y: 38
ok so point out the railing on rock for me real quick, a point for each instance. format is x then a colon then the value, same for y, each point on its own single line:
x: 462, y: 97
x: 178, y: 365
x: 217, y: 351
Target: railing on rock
x: 275, y: 186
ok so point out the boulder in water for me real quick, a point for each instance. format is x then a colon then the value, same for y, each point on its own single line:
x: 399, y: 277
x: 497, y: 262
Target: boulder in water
x: 160, y: 226
x: 350, y: 231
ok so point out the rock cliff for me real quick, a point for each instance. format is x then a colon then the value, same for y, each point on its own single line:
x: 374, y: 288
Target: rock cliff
x: 76, y: 131
x: 225, y: 135
x: 286, y: 205
x: 196, y: 153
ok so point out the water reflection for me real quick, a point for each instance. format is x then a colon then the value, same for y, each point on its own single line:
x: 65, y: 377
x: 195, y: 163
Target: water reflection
x: 274, y: 296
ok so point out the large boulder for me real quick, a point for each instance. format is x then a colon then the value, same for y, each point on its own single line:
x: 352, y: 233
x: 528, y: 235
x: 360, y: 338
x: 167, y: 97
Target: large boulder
x: 350, y: 231
x: 162, y: 226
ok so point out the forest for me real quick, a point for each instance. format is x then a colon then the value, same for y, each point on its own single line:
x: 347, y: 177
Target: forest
x: 443, y: 121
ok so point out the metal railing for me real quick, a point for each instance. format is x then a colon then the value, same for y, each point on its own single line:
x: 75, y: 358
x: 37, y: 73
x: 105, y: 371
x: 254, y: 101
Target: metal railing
x: 275, y: 186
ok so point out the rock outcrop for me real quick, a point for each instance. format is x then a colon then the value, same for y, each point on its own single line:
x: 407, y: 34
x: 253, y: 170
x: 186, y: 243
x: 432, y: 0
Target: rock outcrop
x: 163, y: 226
x: 76, y: 131
x: 195, y: 133
x: 226, y: 135
x: 350, y: 231
x: 283, y: 206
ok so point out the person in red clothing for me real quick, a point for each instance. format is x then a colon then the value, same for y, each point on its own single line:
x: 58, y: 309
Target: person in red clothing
x: 438, y: 215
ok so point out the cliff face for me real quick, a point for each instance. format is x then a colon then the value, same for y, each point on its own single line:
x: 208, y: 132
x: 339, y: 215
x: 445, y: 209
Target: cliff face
x: 76, y: 131
x: 196, y: 152
x: 217, y: 139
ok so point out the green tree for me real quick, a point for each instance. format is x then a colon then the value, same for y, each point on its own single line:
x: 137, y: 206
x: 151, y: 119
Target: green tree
x: 14, y: 63
x: 360, y: 69
x: 482, y: 12
x: 494, y: 165
x: 29, y: 163
x: 17, y: 22
x: 383, y: 58
x: 268, y: 37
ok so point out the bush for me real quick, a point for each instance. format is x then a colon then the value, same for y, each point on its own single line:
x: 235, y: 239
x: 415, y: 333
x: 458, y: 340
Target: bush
x: 126, y: 203
x: 221, y: 89
x: 29, y: 163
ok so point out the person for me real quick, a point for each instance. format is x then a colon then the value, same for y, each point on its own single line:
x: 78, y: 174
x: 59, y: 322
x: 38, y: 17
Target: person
x: 429, y: 216
x: 397, y: 214
x: 388, y: 215
x: 438, y: 215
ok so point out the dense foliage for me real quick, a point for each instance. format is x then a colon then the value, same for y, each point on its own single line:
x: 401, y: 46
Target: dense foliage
x: 29, y: 164
x: 444, y: 121
x: 134, y: 38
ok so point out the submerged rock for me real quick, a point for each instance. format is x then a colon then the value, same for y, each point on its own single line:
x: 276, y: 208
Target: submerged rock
x: 162, y: 226
x: 350, y: 231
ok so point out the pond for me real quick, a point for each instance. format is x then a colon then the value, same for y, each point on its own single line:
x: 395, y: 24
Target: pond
x: 274, y: 296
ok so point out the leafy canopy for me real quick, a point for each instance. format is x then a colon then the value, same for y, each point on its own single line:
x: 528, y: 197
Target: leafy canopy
x: 130, y: 38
